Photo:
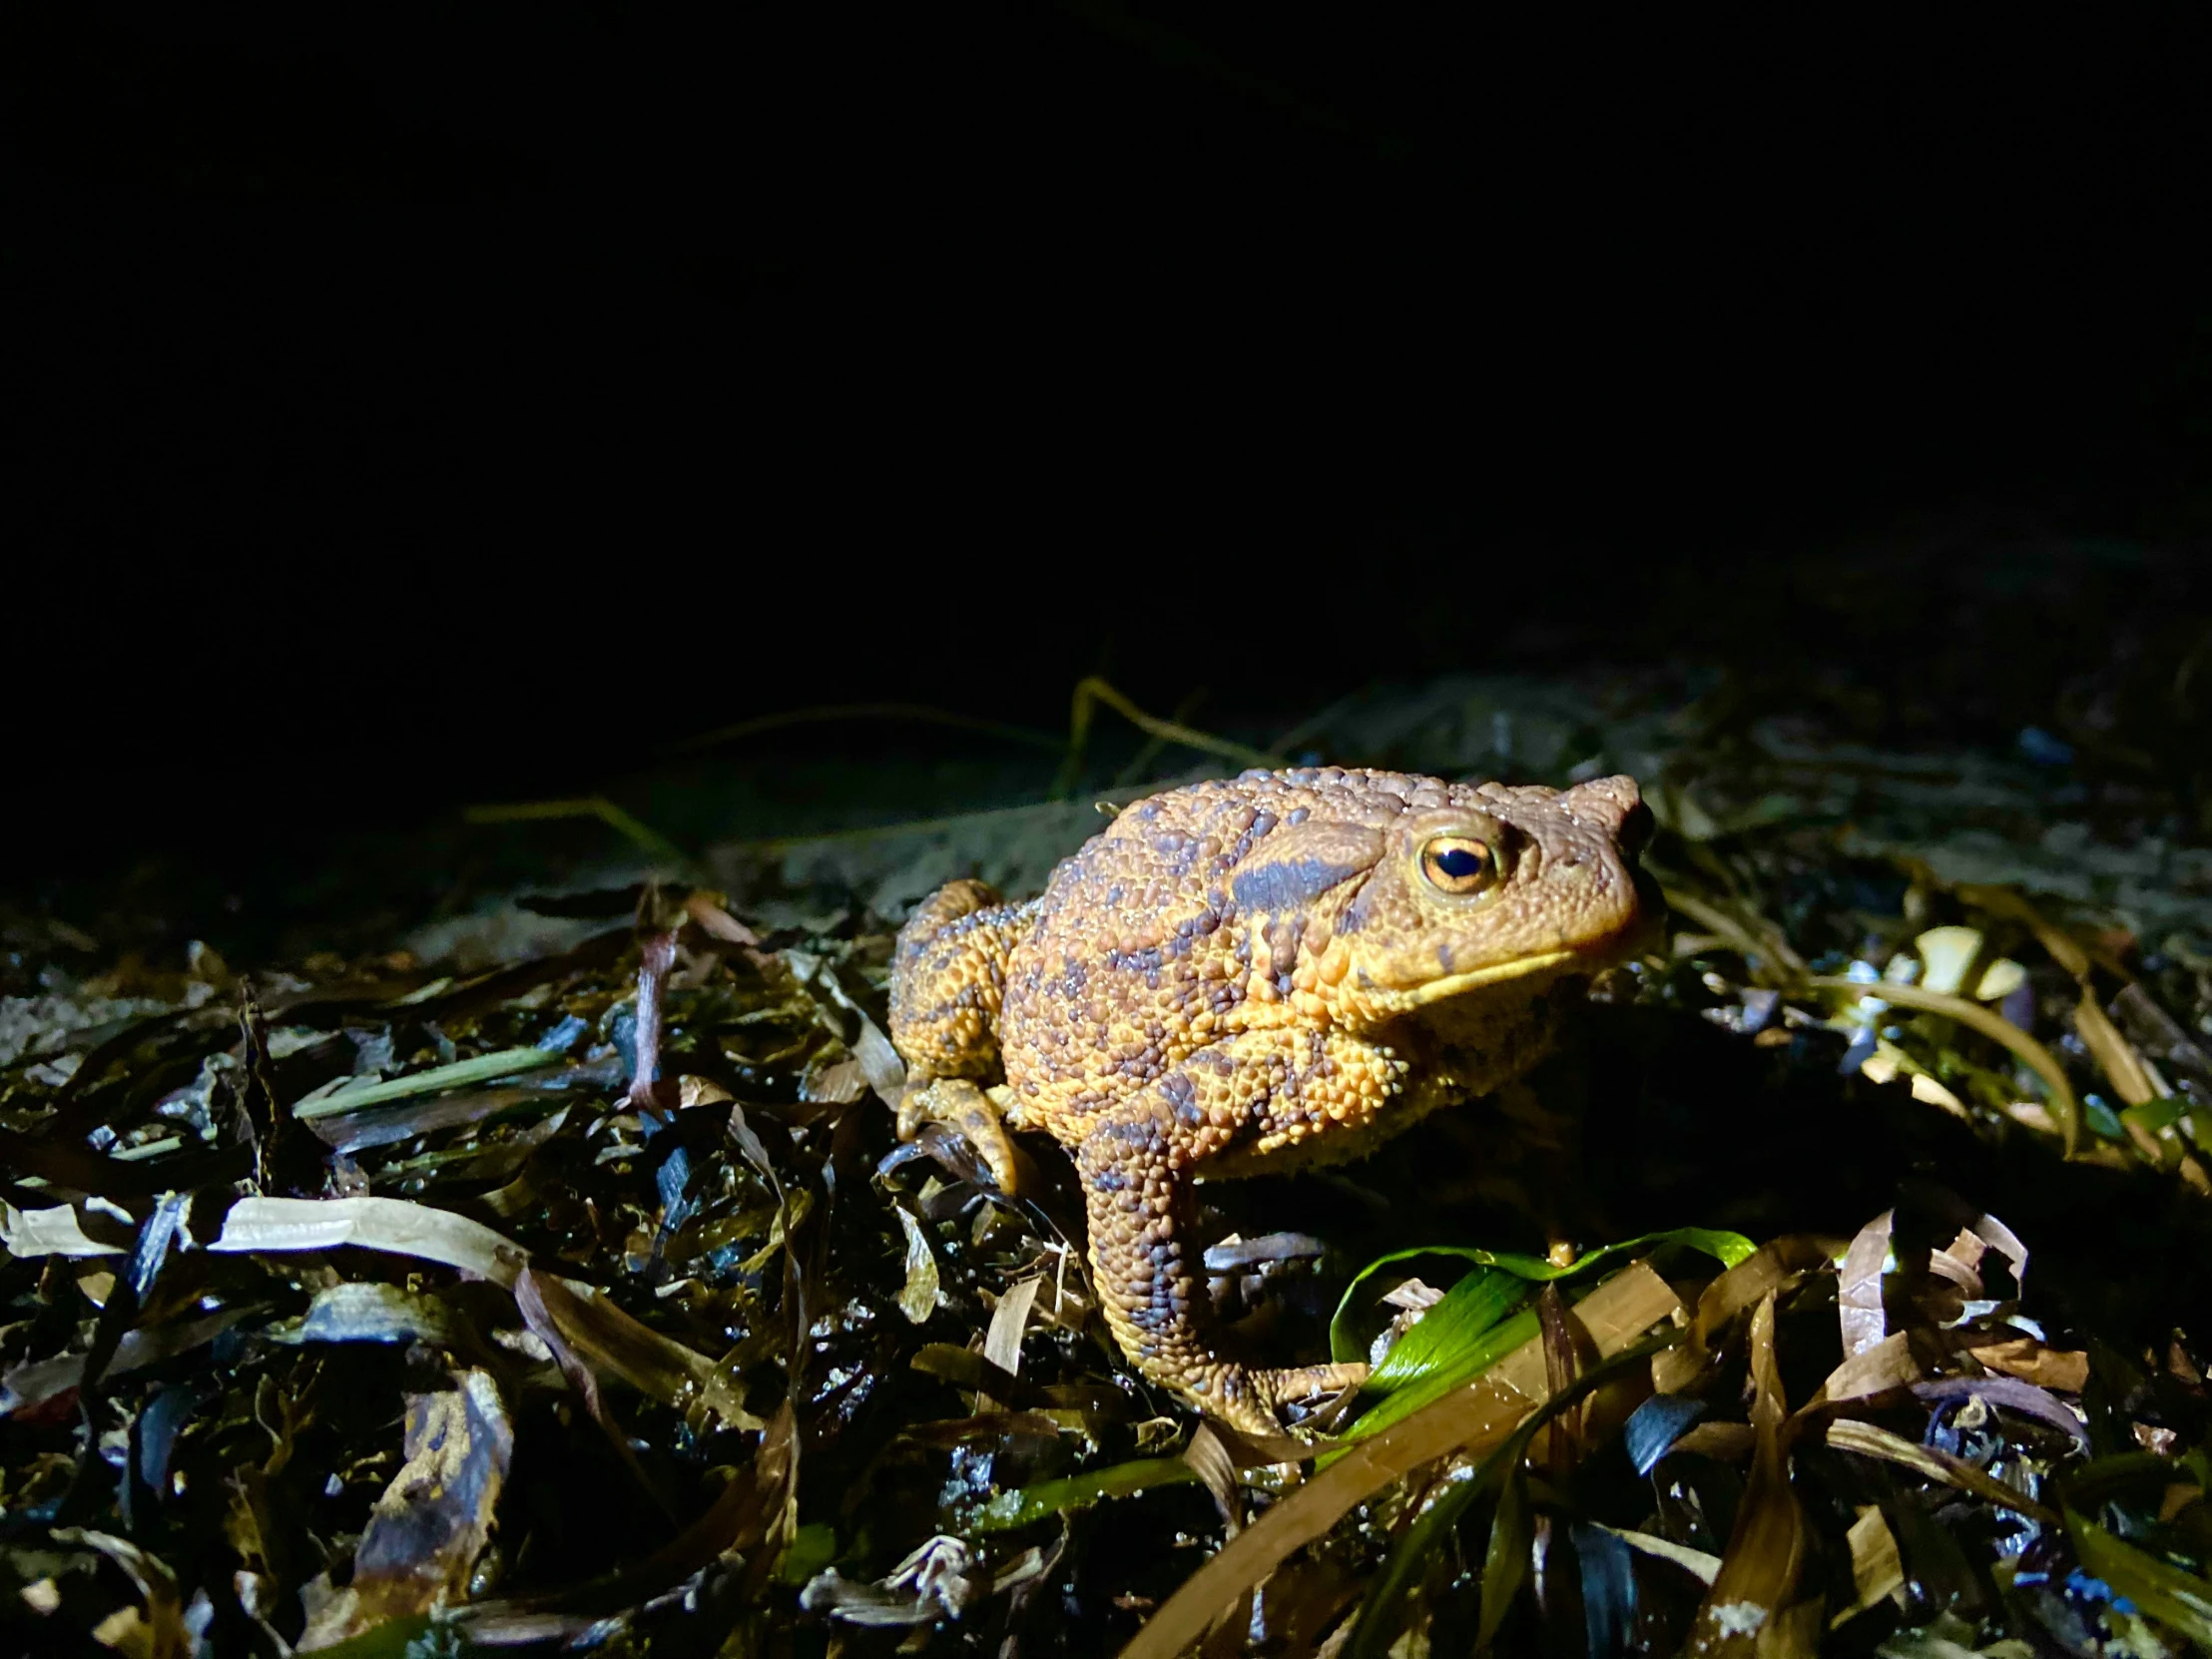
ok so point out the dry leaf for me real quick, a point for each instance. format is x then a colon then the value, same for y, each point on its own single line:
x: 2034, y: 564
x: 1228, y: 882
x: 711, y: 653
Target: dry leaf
x: 1002, y: 1343
x: 419, y: 1549
x: 388, y: 1223
x: 1858, y: 1287
x: 1870, y: 1440
x: 919, y: 1299
x: 160, y: 1627
x: 2066, y: 1370
x: 1748, y: 1610
x: 1877, y: 1570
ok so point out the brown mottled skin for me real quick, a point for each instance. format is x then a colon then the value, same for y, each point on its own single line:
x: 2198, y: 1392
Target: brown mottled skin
x: 1261, y: 973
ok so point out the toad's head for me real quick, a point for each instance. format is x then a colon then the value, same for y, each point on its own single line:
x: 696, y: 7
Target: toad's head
x: 1487, y: 899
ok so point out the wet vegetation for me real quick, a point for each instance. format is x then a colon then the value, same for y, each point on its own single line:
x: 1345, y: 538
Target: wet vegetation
x: 585, y: 1300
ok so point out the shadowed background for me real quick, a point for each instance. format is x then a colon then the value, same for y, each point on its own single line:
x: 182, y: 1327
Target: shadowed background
x: 414, y: 414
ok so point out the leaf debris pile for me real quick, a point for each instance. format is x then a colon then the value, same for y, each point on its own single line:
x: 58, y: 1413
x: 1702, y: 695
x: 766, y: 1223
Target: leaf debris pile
x: 586, y: 1303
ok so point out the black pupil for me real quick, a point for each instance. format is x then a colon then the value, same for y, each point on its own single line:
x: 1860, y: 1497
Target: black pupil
x: 1460, y: 863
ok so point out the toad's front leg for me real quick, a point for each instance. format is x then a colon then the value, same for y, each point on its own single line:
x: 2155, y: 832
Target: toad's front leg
x: 1255, y: 1092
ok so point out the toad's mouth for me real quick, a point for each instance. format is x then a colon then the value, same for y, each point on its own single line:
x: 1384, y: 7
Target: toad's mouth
x: 1459, y: 984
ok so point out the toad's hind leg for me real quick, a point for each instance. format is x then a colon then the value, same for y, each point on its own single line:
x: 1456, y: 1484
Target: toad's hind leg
x: 948, y: 979
x: 1138, y: 1163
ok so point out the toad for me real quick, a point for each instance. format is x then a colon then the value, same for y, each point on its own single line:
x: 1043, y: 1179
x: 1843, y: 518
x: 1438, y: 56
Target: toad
x: 1262, y: 973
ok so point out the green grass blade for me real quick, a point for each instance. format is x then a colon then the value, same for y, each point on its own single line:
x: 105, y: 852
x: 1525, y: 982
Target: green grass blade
x: 2179, y: 1600
x: 485, y: 1068
x: 1472, y: 1306
x: 1726, y: 1248
x: 1047, y: 1497
x: 1451, y: 1371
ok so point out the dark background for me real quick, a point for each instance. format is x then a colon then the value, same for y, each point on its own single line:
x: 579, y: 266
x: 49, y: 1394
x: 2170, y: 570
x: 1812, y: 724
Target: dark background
x: 410, y: 411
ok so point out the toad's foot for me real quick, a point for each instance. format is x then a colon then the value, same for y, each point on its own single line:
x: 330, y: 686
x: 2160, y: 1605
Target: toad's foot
x: 1310, y: 1381
x: 962, y: 1105
x: 1249, y: 1400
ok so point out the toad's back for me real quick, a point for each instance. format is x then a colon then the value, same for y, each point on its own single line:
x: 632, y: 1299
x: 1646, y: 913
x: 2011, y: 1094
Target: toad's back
x: 1143, y: 948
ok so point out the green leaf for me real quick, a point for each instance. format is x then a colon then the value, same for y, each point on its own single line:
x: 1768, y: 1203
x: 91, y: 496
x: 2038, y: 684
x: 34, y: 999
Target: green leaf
x: 1472, y: 1306
x: 1020, y: 1507
x: 1451, y: 1370
x: 485, y: 1068
x: 1726, y: 1248
x: 2182, y: 1601
x: 813, y: 1547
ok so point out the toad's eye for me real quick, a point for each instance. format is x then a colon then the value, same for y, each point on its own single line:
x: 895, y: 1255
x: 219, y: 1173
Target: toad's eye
x: 1459, y: 864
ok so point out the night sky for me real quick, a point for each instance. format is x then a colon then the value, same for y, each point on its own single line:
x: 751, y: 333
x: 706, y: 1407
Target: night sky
x: 470, y: 394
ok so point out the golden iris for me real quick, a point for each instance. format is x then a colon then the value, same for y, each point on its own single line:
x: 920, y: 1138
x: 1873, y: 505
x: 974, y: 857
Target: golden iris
x: 1459, y: 864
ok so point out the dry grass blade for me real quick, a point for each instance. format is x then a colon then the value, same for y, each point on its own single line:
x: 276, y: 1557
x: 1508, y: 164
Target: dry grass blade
x: 1475, y: 1418
x: 1748, y: 1608
x: 1699, y: 1566
x: 1887, y: 1364
x: 1002, y: 1343
x: 55, y: 1231
x: 2059, y: 945
x: 162, y: 1632
x: 1760, y: 945
x: 2032, y: 1361
x: 485, y: 1068
x: 615, y: 1345
x: 1877, y: 1570
x: 1772, y: 1265
x: 2115, y: 1054
x: 1217, y: 1472
x: 1871, y: 1440
x: 1996, y: 1027
x: 1091, y: 691
x: 387, y: 1224
x: 651, y: 843
x: 1858, y: 1287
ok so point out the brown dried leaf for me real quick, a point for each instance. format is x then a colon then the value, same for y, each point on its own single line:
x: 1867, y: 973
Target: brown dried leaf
x: 420, y: 1546
x: 1748, y: 1608
x: 1002, y: 1343
x: 918, y: 1299
x: 2066, y: 1370
x: 693, y: 1092
x: 1887, y: 1364
x: 615, y: 1345
x: 1871, y: 1440
x: 1859, y: 1286
x: 2113, y: 1054
x: 1772, y: 1266
x: 1960, y: 1262
x: 1877, y: 1570
x: 388, y: 1223
x: 158, y: 1633
x: 2060, y: 947
x: 1217, y: 1472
